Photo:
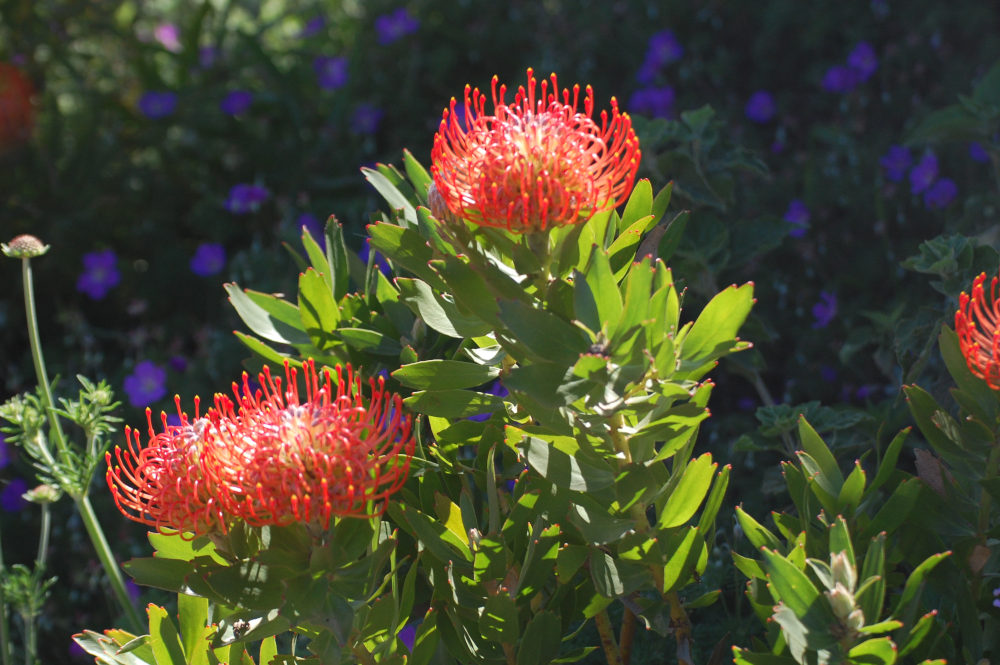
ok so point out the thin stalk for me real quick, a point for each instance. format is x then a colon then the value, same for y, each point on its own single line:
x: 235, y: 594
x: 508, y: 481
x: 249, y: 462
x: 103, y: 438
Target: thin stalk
x: 4, y: 636
x: 110, y: 565
x: 43, y: 538
x: 30, y: 638
x: 607, y: 634
x: 39, y: 360
x: 627, y: 635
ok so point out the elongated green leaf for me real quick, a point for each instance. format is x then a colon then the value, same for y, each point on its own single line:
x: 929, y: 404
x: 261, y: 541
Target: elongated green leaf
x: 604, y: 288
x: 538, y: 646
x: 596, y: 526
x: 416, y: 173
x: 755, y: 532
x: 263, y: 350
x: 832, y: 479
x: 370, y: 341
x: 636, y: 308
x: 640, y: 203
x: 499, y: 622
x: 689, y: 492
x: 685, y: 548
x: 406, y: 248
x: 164, y: 639
x: 453, y: 403
x: 714, y: 331
x: 395, y: 198
x: 192, y: 612
x: 336, y: 258
x: 317, y: 257
x: 444, y: 374
x: 916, y: 580
x: 269, y: 325
x: 544, y: 334
x: 895, y: 510
x: 570, y: 472
x: 437, y: 312
x: 792, y: 587
x: 888, y: 463
x: 320, y: 313
x: 878, y: 651
x: 917, y: 634
x: 871, y: 598
x: 425, y: 642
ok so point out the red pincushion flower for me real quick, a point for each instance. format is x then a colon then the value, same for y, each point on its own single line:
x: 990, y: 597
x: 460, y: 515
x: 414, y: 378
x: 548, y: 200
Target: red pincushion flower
x: 17, y: 115
x: 977, y: 323
x: 269, y: 457
x: 535, y: 163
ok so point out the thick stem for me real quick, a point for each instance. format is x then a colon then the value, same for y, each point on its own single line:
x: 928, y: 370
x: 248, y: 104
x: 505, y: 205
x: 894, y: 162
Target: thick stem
x: 627, y: 635
x: 43, y: 538
x: 110, y: 565
x: 39, y: 360
x: 681, y: 625
x: 30, y: 638
x: 607, y: 634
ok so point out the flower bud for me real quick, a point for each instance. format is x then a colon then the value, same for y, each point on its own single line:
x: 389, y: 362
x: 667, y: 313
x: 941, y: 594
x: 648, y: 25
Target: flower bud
x: 24, y: 247
x: 43, y: 494
x: 843, y: 572
x: 841, y: 600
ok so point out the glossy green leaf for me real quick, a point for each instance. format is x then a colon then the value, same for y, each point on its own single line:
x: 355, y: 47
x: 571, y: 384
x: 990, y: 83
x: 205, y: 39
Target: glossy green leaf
x: 604, y: 288
x: 263, y: 350
x: 160, y: 573
x: 499, y: 621
x: 453, y: 403
x: 320, y: 313
x: 574, y: 472
x: 614, y: 578
x: 438, y: 312
x: 270, y: 326
x: 537, y: 645
x: 434, y: 537
x: 714, y: 331
x: 923, y: 408
x: 336, y: 258
x: 916, y: 579
x: 749, y: 567
x: 689, y: 492
x: 317, y: 257
x: 406, y: 248
x: 444, y: 374
x: 792, y: 587
x: 878, y: 651
x: 164, y: 639
x: 544, y: 334
x: 918, y: 633
x: 636, y: 308
x: 840, y: 540
x: 622, y: 251
x: 640, y: 203
x: 755, y: 532
x: 370, y: 341
x: 871, y: 598
x: 684, y: 548
x: 417, y: 174
x: 894, y: 510
x: 396, y: 199
x: 852, y: 490
x: 813, y: 444
x: 192, y: 613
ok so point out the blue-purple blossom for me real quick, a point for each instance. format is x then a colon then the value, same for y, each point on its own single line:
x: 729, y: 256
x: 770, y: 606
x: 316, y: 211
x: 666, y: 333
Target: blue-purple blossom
x: 654, y: 102
x: 746, y: 403
x: 841, y: 79
x: 207, y: 56
x: 760, y: 107
x: 798, y: 216
x: 12, y: 495
x: 209, y: 259
x: 178, y: 363
x: 146, y: 384
x: 824, y: 310
x: 379, y: 260
x: 169, y: 36
x: 395, y: 25
x: 496, y: 388
x: 245, y: 198
x: 940, y: 194
x: 366, y: 118
x: 827, y: 373
x: 863, y: 60
x: 313, y: 27
x: 100, y: 273
x: 236, y: 102
x: 996, y: 596
x: 408, y: 635
x: 978, y: 153
x: 664, y: 48
x: 156, y: 104
x: 331, y: 71
x: 895, y: 162
x: 4, y: 451
x: 924, y: 173
x: 133, y: 591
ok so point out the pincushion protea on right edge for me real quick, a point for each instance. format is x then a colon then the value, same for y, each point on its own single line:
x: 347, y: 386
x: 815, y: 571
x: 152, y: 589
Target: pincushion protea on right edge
x: 533, y: 164
x: 977, y: 323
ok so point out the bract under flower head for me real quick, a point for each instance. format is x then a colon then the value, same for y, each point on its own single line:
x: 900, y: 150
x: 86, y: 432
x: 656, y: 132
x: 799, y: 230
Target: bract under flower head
x: 977, y: 323
x: 333, y: 453
x: 535, y: 163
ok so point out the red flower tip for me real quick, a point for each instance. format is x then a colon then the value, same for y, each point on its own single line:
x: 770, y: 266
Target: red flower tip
x: 977, y: 323
x: 535, y: 163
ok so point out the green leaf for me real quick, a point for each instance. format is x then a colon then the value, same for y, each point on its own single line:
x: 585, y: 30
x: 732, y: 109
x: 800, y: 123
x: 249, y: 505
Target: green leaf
x: 916, y: 580
x: 714, y: 332
x: 370, y: 341
x: 407, y: 248
x: 596, y: 526
x: 852, y: 489
x: 499, y: 621
x: 396, y: 199
x: 444, y: 374
x: 425, y: 642
x: 416, y: 173
x: 537, y: 645
x: 951, y: 123
x: 636, y: 307
x: 453, y: 403
x: 317, y: 257
x: 895, y: 510
x: 160, y: 573
x: 616, y: 578
x: 622, y: 252
x: 746, y: 657
x: 437, y: 312
x: 755, y: 532
x: 604, y: 288
x: 263, y: 350
x: 267, y: 324
x: 871, y: 597
x: 268, y: 650
x: 640, y: 203
x: 888, y: 462
x: 689, y: 492
x: 320, y: 313
x: 685, y: 548
x: 336, y: 258
x: 840, y: 541
x: 562, y: 470
x: 881, y: 627
x: 585, y: 304
x: 164, y: 639
x: 832, y: 479
x: 435, y: 538
x: 878, y: 651
x: 706, y: 523
x: 569, y: 560
x: 917, y: 633
x: 792, y: 587
x: 192, y: 611
x: 545, y: 335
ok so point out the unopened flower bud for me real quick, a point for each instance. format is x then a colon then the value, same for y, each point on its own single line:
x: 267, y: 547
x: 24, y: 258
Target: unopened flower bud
x: 43, y: 494
x: 24, y: 247
x: 843, y: 572
x: 841, y: 600
x: 474, y: 537
x: 856, y: 621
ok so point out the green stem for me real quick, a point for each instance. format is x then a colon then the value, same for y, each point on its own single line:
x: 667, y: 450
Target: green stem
x: 39, y: 361
x: 43, y: 538
x: 108, y: 562
x: 30, y: 638
x: 4, y: 636
x: 607, y: 634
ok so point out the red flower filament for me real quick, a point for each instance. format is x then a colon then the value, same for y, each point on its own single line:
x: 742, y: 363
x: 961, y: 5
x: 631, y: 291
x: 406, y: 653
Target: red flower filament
x: 535, y: 163
x: 269, y: 457
x: 977, y: 323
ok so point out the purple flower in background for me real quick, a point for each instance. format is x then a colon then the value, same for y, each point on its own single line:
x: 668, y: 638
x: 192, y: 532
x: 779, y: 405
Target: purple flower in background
x: 314, y: 226
x: 100, y: 273
x: 313, y: 27
x: 760, y: 107
x: 366, y: 118
x: 11, y: 496
x: 940, y: 194
x: 978, y: 153
x: 827, y: 373
x: 840, y: 79
x: 408, y: 635
x: 664, y: 48
x: 236, y: 102
x: 379, y: 260
x: 331, y: 72
x: 924, y: 173
x: 178, y: 363
x: 798, y: 216
x: 246, y: 198
x: 495, y: 388
x: 134, y: 592
x: 824, y: 310
x: 4, y: 451
x: 207, y: 55
x: 156, y: 104
x: 863, y: 60
x: 654, y: 102
x: 169, y: 36
x: 895, y: 162
x: 746, y: 403
x: 147, y: 383
x: 395, y: 25
x: 996, y: 595
x: 209, y: 259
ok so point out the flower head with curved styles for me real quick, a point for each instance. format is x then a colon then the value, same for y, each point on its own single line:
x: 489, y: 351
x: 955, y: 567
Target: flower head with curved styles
x: 977, y: 323
x: 309, y: 457
x: 268, y: 456
x: 535, y: 163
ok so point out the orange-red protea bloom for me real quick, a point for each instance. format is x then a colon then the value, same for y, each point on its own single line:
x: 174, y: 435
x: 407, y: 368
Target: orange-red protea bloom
x: 535, y: 163
x: 269, y: 457
x: 977, y: 323
x: 17, y: 115
x: 332, y: 454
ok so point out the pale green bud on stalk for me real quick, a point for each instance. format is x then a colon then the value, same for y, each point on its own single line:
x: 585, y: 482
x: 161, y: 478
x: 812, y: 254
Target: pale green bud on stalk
x: 841, y: 600
x: 856, y: 621
x: 842, y: 570
x: 24, y: 247
x: 43, y: 494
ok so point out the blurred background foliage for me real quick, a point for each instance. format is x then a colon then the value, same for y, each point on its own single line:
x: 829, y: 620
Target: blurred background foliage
x: 176, y: 145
